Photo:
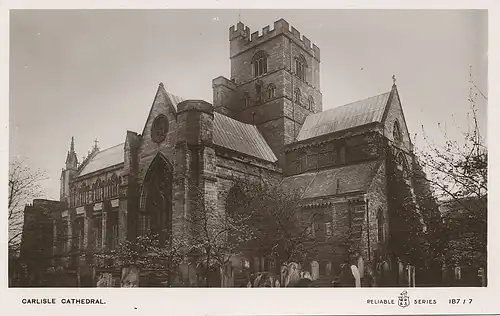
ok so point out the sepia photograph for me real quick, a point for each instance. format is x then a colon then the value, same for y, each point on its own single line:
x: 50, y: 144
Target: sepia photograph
x: 248, y: 148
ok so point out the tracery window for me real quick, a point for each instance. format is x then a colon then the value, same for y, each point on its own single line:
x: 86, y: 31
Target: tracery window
x: 159, y: 129
x: 114, y: 185
x: 259, y: 63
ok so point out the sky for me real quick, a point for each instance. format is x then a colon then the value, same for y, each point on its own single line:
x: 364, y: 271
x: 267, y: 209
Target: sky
x: 93, y: 74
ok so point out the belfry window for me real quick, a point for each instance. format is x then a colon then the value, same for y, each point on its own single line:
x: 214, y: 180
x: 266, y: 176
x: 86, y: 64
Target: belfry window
x: 259, y: 63
x: 300, y: 67
x: 271, y: 91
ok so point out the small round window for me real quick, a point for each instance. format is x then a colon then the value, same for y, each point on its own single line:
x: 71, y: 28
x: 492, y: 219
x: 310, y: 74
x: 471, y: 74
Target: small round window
x: 159, y: 129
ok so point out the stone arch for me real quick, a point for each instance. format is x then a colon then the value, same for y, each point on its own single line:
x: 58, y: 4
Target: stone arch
x: 155, y: 211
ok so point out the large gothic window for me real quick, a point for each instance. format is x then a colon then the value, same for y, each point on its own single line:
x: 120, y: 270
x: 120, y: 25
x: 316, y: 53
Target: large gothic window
x: 300, y: 67
x: 156, y: 201
x: 259, y: 63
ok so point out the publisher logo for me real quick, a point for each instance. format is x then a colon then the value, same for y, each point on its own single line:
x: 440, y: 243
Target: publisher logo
x: 404, y: 299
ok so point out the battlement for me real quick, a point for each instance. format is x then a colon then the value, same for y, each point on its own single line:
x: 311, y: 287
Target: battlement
x: 222, y: 81
x: 242, y: 33
x: 195, y: 105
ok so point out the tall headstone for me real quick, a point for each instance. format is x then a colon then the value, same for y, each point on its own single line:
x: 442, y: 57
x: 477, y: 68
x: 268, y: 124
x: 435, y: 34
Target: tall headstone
x: 130, y: 277
x: 357, y: 277
x: 315, y: 270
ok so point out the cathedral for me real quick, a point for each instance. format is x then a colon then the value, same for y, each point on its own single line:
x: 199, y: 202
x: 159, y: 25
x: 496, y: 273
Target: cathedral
x: 266, y: 120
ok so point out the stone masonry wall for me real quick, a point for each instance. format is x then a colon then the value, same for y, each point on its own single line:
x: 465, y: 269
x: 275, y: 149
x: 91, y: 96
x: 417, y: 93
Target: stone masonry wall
x: 377, y: 202
x: 232, y: 169
x: 395, y: 112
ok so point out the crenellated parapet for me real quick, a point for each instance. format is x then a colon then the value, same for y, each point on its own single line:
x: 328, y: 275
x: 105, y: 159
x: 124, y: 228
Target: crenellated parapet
x: 246, y: 40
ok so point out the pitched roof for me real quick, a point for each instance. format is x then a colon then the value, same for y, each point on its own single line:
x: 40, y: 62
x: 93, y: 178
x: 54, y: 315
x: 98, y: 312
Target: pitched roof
x: 352, y: 178
x: 104, y: 159
x: 174, y: 99
x: 344, y: 117
x: 244, y: 138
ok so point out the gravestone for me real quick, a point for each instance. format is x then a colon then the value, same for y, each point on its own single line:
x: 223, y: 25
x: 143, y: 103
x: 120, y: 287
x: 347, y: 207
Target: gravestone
x: 314, y: 270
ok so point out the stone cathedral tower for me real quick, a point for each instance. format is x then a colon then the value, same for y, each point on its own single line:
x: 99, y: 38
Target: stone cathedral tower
x: 275, y: 82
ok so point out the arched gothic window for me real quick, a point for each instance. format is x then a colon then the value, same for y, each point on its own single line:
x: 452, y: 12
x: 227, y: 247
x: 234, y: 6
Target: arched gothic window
x: 155, y: 214
x: 93, y: 193
x: 114, y: 185
x: 259, y: 63
x: 271, y: 91
x: 310, y: 103
x: 99, y: 190
x: 396, y: 133
x: 300, y: 67
x: 297, y: 96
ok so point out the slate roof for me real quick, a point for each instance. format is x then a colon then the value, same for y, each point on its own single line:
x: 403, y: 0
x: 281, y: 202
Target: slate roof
x: 351, y: 178
x: 344, y: 117
x: 104, y: 159
x: 244, y: 138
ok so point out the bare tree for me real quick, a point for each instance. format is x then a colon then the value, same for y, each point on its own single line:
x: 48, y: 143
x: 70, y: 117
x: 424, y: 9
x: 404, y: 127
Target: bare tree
x: 215, y: 236
x: 24, y: 185
x: 458, y: 173
x: 281, y: 230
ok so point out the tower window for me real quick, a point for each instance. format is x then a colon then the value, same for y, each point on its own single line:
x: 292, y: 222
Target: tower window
x: 300, y: 67
x: 271, y: 91
x: 297, y: 96
x: 259, y: 63
x: 396, y: 133
x: 310, y: 103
